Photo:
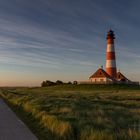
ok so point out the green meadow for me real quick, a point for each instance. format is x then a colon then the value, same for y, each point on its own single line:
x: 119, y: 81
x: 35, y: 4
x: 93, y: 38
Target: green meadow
x: 78, y: 112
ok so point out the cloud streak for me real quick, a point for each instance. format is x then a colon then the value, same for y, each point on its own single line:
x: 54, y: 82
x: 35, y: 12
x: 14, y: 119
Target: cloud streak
x: 66, y: 35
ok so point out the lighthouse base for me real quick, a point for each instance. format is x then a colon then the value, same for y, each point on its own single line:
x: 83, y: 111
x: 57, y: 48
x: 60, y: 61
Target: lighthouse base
x: 102, y: 77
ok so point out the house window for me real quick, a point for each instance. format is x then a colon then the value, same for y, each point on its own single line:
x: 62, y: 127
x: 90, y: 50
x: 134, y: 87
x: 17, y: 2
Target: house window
x: 101, y: 80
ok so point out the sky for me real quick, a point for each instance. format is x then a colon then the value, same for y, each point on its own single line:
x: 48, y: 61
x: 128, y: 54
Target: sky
x: 66, y: 39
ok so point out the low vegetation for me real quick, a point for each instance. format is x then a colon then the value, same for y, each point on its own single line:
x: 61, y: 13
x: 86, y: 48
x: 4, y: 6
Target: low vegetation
x: 48, y: 83
x: 78, y: 112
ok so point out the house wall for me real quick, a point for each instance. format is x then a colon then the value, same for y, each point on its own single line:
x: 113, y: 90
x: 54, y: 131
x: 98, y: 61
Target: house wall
x: 102, y: 79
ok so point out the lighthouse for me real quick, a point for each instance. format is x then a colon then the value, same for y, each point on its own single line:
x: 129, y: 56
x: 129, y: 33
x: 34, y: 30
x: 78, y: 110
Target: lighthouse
x: 110, y: 55
x: 110, y: 75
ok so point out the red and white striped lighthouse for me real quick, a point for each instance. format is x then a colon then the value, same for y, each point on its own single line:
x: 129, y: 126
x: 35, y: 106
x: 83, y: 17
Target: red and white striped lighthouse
x: 110, y: 55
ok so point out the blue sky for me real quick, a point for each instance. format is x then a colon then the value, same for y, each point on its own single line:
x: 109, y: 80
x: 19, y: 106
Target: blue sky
x: 65, y: 39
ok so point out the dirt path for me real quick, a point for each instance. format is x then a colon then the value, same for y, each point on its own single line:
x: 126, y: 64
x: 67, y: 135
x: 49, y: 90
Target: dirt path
x: 11, y: 127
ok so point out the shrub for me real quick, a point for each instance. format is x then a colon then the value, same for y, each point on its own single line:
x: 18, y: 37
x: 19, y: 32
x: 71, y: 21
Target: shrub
x: 58, y: 82
x: 47, y: 83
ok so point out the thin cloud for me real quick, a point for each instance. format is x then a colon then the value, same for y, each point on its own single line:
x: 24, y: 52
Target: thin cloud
x: 67, y: 35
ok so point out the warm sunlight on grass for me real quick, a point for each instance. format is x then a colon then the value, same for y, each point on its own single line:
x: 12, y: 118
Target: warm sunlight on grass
x: 79, y: 112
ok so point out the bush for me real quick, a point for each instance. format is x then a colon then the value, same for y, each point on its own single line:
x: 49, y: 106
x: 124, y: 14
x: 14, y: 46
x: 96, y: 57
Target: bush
x: 47, y: 83
x: 58, y: 82
x: 50, y: 83
x: 75, y: 82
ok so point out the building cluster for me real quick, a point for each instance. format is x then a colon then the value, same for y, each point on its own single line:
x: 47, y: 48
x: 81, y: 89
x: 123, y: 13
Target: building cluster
x: 110, y: 75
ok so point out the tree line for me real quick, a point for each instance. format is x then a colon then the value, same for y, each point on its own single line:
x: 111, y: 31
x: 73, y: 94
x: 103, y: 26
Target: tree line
x: 58, y: 82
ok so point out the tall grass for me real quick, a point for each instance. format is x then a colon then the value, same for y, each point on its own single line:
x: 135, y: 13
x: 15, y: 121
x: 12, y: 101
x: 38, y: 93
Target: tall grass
x: 82, y: 112
x: 92, y: 134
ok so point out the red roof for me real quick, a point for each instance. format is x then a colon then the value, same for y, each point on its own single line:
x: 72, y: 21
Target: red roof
x: 100, y: 73
x: 121, y: 76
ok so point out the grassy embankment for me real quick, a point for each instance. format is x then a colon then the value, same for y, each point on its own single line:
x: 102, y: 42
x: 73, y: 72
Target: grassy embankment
x: 78, y: 112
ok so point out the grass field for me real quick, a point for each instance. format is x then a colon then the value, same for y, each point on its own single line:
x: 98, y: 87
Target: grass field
x: 78, y: 112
